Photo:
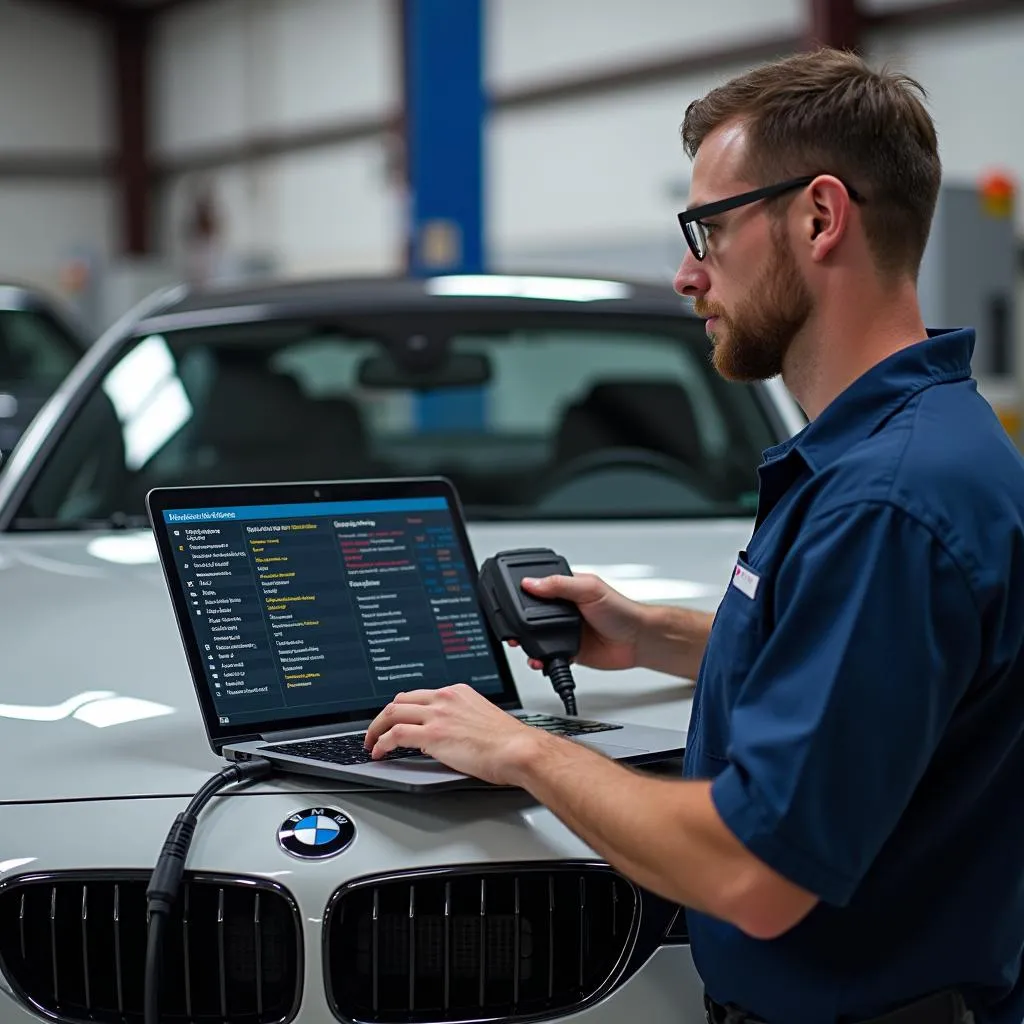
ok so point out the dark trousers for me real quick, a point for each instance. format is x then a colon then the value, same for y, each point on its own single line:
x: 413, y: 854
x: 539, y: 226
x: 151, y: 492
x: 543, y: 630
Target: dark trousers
x: 940, y: 1008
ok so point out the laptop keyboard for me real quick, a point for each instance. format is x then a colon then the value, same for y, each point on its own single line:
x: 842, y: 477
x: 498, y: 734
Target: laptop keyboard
x: 338, y: 750
x: 350, y: 750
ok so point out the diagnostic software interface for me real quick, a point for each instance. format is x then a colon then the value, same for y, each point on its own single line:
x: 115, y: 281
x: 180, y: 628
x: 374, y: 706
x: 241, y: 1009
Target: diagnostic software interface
x: 308, y: 609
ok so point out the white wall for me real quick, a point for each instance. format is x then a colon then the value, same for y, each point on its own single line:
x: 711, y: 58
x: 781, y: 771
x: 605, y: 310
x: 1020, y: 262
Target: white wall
x: 228, y: 69
x: 46, y: 224
x: 590, y: 179
x: 594, y: 182
x: 973, y: 72
x: 606, y: 171
x: 330, y: 210
x: 54, y: 101
x: 53, y: 85
x: 231, y: 70
x: 532, y: 41
x: 597, y: 180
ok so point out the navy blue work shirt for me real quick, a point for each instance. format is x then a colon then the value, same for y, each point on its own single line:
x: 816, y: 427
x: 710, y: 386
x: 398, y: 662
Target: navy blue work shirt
x: 860, y: 706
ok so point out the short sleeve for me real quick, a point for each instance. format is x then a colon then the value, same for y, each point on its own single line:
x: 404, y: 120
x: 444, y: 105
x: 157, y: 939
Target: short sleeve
x: 876, y: 638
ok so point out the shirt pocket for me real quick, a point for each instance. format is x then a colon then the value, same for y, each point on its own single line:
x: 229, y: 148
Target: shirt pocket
x: 736, y: 640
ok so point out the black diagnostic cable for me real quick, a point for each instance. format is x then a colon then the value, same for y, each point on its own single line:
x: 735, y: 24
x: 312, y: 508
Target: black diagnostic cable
x: 165, y: 881
x: 547, y: 629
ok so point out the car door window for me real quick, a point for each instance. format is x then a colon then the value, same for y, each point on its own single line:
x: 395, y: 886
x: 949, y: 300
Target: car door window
x: 32, y: 348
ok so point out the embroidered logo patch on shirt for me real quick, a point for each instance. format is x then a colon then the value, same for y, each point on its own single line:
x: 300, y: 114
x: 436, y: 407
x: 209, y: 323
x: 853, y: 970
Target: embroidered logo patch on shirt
x: 745, y: 581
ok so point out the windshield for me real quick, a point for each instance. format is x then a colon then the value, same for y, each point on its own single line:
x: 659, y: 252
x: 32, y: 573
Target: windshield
x: 582, y: 417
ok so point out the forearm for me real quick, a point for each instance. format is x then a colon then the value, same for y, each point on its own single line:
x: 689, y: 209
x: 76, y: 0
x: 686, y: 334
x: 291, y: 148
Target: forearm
x: 664, y: 834
x: 672, y: 640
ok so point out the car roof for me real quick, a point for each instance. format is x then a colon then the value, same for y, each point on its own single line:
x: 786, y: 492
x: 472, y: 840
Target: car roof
x: 25, y: 298
x: 493, y: 292
x: 14, y: 295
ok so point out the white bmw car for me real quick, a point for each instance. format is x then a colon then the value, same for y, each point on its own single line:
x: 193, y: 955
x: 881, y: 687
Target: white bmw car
x: 574, y: 414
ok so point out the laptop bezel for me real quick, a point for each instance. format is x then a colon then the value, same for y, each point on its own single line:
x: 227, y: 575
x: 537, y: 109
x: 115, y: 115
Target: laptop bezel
x: 162, y: 499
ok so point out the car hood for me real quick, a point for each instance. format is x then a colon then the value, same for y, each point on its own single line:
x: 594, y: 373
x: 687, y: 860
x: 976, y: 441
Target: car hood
x: 96, y: 699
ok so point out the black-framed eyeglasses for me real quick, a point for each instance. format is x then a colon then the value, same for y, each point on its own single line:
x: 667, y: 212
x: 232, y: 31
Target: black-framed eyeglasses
x: 692, y: 220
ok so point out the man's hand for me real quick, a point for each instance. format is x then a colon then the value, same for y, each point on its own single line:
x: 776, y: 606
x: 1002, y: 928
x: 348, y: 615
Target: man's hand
x: 611, y: 621
x: 620, y: 633
x: 457, y: 727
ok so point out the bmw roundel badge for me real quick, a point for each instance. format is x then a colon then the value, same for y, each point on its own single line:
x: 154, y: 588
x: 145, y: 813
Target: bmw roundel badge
x: 316, y: 832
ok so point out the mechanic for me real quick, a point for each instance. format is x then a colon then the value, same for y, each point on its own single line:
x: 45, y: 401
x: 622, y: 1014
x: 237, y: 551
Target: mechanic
x: 849, y: 837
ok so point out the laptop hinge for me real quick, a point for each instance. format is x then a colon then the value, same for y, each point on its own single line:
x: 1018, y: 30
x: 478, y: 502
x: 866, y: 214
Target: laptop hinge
x: 282, y: 735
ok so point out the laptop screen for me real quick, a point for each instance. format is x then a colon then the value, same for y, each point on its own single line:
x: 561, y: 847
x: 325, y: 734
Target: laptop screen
x: 323, y: 610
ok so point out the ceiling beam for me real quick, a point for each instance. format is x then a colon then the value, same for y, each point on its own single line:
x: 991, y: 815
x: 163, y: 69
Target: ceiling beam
x: 644, y: 73
x: 131, y: 32
x: 281, y: 143
x: 160, y: 6
x: 41, y: 166
x: 91, y: 8
x: 840, y: 22
x: 290, y: 141
x: 837, y: 23
x: 940, y: 12
x: 112, y: 8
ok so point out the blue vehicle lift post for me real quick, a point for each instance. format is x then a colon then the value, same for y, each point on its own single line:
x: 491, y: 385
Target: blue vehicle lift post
x: 445, y: 107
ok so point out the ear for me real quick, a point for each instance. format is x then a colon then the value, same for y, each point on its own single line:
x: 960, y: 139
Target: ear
x: 825, y: 216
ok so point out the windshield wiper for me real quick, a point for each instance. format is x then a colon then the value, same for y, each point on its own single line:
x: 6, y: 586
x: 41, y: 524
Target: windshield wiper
x: 115, y: 521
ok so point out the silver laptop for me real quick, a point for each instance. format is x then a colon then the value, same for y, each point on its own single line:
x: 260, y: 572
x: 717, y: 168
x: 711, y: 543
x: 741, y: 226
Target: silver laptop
x: 305, y: 607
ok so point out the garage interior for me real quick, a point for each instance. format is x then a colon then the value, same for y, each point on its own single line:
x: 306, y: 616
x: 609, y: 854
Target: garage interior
x: 378, y: 240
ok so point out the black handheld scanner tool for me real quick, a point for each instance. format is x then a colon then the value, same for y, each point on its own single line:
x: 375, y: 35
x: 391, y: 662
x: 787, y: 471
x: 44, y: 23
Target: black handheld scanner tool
x: 547, y: 629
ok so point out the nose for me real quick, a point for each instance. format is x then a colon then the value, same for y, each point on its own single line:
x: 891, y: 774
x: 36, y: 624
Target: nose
x: 691, y: 278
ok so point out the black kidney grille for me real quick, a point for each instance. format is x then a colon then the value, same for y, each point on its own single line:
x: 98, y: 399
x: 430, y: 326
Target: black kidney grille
x: 76, y: 947
x: 466, y: 946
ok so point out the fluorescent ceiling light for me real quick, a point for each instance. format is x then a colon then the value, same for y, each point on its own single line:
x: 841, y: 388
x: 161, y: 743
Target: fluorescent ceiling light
x: 562, y: 289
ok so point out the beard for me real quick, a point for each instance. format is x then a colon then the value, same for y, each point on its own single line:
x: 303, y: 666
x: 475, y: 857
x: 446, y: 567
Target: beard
x: 751, y: 343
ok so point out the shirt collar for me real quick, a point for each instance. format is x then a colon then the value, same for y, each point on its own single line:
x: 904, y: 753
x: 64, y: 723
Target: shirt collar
x: 871, y: 399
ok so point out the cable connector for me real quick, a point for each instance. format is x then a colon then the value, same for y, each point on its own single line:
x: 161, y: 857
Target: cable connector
x: 253, y: 770
x: 559, y: 672
x: 165, y: 882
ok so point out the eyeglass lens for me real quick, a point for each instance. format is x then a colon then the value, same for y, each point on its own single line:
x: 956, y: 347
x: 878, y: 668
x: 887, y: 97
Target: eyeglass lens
x: 697, y: 238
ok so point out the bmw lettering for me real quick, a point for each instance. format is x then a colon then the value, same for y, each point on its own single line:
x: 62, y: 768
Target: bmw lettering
x: 316, y: 833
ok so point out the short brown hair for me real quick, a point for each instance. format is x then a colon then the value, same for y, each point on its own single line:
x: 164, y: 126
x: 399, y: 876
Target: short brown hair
x: 826, y: 111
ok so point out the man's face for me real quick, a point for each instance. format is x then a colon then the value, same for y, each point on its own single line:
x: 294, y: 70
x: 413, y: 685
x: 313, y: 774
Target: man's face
x: 749, y: 287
